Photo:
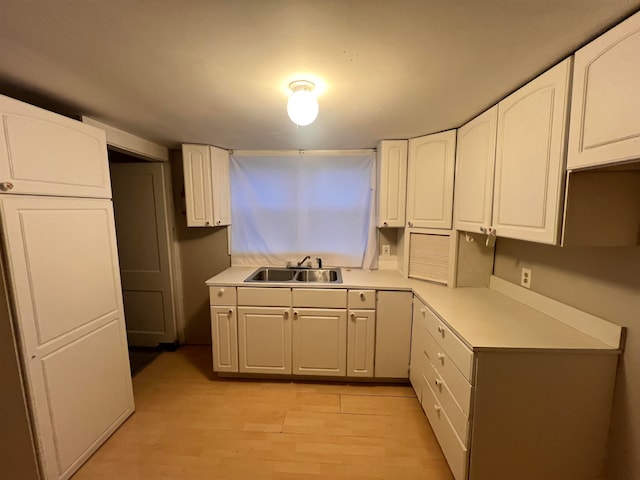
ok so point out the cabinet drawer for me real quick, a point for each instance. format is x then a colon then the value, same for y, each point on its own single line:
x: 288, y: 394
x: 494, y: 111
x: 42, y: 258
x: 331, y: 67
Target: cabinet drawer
x: 222, y: 295
x: 362, y: 298
x: 458, y: 385
x: 449, y: 341
x: 453, y: 449
x: 264, y: 297
x: 457, y: 417
x: 319, y: 297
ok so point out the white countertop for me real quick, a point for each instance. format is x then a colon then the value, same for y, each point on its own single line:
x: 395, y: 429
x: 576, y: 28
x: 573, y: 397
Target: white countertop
x: 483, y: 318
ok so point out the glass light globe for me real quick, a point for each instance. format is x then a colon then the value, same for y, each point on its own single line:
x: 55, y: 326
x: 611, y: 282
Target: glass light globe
x: 302, y: 106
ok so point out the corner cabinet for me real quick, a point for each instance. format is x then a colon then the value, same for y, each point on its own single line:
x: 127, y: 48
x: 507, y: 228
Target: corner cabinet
x: 392, y: 183
x: 505, y: 411
x: 605, y: 124
x: 530, y: 158
x: 431, y: 164
x: 206, y: 185
x: 475, y: 162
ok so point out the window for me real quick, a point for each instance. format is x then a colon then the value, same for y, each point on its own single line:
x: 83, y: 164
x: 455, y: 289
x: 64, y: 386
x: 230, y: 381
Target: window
x: 285, y: 207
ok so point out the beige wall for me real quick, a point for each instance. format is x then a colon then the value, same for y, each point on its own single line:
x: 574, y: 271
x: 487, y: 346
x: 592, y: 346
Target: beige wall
x: 203, y: 254
x: 17, y: 454
x: 604, y: 282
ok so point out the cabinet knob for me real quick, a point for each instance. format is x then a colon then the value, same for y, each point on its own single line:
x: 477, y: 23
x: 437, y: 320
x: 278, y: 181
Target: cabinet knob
x: 441, y: 330
x: 6, y: 186
x: 221, y: 292
x: 437, y: 408
x: 423, y: 311
x: 441, y: 357
x: 207, y: 223
x: 483, y: 229
x: 410, y: 224
x: 230, y: 311
x: 286, y: 314
x: 295, y: 315
x: 384, y: 224
x: 438, y: 382
x: 353, y: 316
x: 362, y: 296
x: 219, y: 222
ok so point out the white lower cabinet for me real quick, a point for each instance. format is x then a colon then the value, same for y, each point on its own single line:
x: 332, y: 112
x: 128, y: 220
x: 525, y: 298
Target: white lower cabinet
x: 509, y: 412
x: 264, y: 339
x: 393, y: 334
x: 332, y: 332
x: 361, y: 338
x: 224, y: 338
x: 319, y: 341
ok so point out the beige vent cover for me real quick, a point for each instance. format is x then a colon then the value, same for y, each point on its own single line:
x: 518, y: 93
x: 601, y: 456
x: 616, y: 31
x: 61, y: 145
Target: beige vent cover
x: 429, y: 257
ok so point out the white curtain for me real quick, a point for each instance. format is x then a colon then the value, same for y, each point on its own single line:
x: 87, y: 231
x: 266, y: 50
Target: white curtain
x: 285, y: 207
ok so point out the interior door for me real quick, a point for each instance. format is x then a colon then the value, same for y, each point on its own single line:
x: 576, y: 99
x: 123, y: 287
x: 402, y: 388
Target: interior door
x: 140, y: 209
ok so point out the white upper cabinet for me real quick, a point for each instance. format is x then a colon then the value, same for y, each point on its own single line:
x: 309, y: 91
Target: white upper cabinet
x: 530, y: 158
x: 431, y: 163
x: 605, y: 118
x: 43, y: 153
x: 475, y: 161
x: 392, y: 183
x: 206, y: 185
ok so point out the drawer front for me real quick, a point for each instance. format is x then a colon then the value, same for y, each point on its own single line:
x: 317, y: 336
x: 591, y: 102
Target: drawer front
x: 455, y: 348
x: 362, y: 299
x: 319, y: 298
x: 454, y: 451
x: 264, y: 297
x: 222, y: 295
x: 456, y: 382
x: 458, y: 418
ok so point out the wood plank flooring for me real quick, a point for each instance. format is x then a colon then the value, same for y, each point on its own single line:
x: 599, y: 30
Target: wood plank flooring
x: 189, y: 424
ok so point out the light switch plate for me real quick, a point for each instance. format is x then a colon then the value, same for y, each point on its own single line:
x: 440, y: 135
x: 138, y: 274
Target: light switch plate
x: 386, y: 250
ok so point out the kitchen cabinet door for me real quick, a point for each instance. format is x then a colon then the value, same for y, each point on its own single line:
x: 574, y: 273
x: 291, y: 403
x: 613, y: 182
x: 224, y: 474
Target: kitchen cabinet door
x: 264, y: 339
x: 475, y: 161
x: 320, y: 342
x: 64, y: 282
x: 605, y: 124
x: 530, y: 158
x: 392, y: 183
x: 361, y: 335
x: 43, y: 153
x: 431, y: 164
x: 206, y: 185
x: 224, y: 338
x: 393, y: 334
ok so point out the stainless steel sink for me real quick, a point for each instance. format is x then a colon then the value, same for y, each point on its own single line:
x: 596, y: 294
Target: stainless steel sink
x: 296, y: 275
x: 272, y: 275
x: 325, y: 275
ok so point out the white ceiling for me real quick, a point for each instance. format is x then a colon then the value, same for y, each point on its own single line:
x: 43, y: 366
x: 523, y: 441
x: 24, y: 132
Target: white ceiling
x: 216, y: 71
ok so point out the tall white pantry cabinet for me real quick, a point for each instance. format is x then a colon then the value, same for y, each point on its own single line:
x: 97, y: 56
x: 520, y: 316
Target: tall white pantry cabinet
x: 63, y: 317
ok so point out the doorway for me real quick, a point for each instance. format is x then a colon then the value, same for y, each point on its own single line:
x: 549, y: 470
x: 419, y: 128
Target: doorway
x: 139, y: 190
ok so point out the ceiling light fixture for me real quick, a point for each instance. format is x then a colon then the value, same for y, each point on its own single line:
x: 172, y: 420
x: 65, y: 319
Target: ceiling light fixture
x: 302, y: 106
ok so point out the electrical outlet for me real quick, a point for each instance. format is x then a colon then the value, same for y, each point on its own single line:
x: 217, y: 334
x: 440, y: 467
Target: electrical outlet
x: 386, y: 250
x: 525, y: 278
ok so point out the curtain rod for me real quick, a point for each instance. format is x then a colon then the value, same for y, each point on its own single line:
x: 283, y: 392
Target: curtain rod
x: 283, y: 153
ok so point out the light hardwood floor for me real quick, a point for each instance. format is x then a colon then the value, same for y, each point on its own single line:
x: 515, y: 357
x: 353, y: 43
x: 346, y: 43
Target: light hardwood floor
x: 189, y: 424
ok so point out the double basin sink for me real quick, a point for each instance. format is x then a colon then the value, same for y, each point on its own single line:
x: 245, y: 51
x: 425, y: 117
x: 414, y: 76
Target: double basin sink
x: 296, y: 275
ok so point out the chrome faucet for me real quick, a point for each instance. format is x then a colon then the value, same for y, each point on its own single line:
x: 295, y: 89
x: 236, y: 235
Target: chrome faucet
x: 319, y: 260
x: 304, y: 260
